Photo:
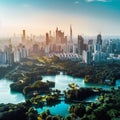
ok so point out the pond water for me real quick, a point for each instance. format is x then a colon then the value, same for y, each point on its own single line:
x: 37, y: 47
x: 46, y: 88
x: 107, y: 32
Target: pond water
x: 59, y: 109
x: 6, y: 96
x: 61, y: 83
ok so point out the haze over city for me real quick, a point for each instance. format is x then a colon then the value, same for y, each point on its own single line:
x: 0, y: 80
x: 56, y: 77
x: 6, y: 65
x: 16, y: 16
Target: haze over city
x: 88, y: 17
x: 59, y: 59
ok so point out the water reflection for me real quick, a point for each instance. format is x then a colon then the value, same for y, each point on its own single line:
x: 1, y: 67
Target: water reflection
x: 62, y: 81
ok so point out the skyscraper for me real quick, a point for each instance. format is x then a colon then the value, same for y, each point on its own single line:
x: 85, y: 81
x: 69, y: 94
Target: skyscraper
x: 87, y: 57
x: 70, y: 33
x: 99, y: 39
x: 36, y: 48
x: 47, y: 49
x: 80, y: 44
x: 47, y: 39
x: 60, y: 38
x: 23, y: 37
x: 98, y: 45
x: 9, y: 55
x: 70, y: 43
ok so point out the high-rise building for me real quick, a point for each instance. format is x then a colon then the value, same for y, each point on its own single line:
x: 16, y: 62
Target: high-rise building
x: 80, y: 44
x: 9, y: 55
x: 20, y: 52
x: 90, y: 42
x: 70, y: 44
x: 99, y: 57
x: 24, y: 34
x: 99, y: 39
x: 98, y: 45
x: 60, y: 38
x: 2, y: 57
x: 23, y: 37
x: 36, y: 49
x: 24, y: 52
x: 11, y: 58
x: 87, y: 57
x: 90, y: 46
x: 71, y: 33
x: 47, y: 39
x: 47, y: 44
x: 17, y: 55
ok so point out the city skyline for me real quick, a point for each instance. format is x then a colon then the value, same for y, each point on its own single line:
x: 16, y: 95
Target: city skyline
x: 88, y: 17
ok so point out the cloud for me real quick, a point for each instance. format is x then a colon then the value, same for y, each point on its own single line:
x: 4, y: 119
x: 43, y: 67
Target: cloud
x: 90, y: 0
x: 77, y: 2
x: 98, y: 0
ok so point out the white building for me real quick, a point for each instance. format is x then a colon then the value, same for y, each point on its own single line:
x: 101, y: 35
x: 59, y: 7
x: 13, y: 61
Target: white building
x: 20, y: 53
x: 17, y: 56
x: 87, y: 58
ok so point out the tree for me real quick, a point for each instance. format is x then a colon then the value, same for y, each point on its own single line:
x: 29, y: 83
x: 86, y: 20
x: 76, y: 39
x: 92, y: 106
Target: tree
x: 80, y: 110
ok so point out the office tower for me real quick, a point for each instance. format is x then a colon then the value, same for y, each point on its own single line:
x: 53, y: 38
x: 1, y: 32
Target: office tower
x: 10, y: 55
x: 70, y: 44
x: 20, y: 52
x: 72, y: 48
x: 17, y: 55
x: 60, y: 38
x: 87, y: 57
x: 47, y: 44
x: 11, y: 58
x: 99, y: 57
x: 24, y: 34
x: 23, y: 37
x: 98, y: 45
x: 36, y: 49
x: 71, y: 33
x: 23, y: 51
x: 99, y: 39
x: 2, y: 57
x: 90, y: 46
x: 47, y: 39
x: 80, y: 44
x: 90, y: 42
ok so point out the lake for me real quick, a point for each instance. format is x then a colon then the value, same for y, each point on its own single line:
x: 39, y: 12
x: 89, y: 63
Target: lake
x: 6, y: 96
x: 61, y: 83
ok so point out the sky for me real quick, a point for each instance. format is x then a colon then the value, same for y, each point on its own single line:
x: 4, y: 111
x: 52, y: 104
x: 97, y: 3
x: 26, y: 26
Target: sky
x: 87, y: 17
